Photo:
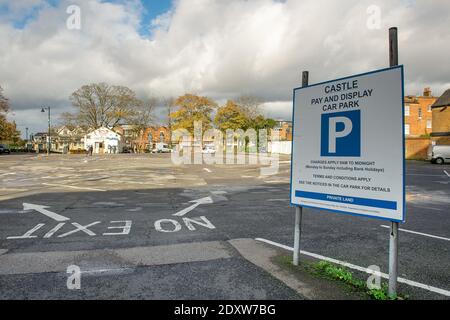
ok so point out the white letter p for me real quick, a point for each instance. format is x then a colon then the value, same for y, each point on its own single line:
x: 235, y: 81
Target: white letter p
x: 333, y: 134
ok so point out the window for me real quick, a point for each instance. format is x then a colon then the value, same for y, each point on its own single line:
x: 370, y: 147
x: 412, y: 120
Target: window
x: 428, y: 124
x: 407, y: 110
x: 429, y: 108
x: 420, y: 113
x: 407, y: 129
x: 161, y: 136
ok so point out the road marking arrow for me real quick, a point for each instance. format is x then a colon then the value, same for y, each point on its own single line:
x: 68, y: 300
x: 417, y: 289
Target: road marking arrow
x: 42, y: 209
x: 197, y: 202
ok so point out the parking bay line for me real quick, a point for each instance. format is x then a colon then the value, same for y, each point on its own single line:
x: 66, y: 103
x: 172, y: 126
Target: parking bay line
x: 72, y: 187
x: 448, y: 175
x: 362, y: 269
x: 419, y: 233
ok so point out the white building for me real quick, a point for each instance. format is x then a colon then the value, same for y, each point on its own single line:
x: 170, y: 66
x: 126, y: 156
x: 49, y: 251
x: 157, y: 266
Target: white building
x: 103, y: 140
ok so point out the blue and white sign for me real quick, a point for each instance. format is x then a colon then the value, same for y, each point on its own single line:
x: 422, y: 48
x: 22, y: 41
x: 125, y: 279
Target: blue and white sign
x: 348, y: 145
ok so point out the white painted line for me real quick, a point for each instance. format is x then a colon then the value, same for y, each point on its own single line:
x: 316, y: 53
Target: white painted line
x: 276, y: 181
x: 419, y: 233
x: 44, y: 211
x: 219, y: 192
x: 448, y: 175
x: 206, y: 200
x: 118, y: 270
x: 73, y: 187
x: 362, y: 269
x: 207, y: 170
x: 7, y: 174
x: 53, y: 231
x: 422, y: 207
x: 28, y: 234
x: 79, y: 227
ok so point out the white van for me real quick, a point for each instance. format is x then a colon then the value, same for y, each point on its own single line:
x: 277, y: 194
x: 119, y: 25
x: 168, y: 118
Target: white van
x: 162, y: 148
x: 439, y: 154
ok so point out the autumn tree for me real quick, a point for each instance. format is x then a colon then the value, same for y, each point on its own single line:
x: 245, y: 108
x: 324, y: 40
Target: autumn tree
x: 192, y: 108
x: 8, y: 130
x: 231, y: 116
x: 101, y: 105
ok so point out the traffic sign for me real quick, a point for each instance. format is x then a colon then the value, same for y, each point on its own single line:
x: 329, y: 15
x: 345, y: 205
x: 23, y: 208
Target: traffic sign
x: 348, y: 145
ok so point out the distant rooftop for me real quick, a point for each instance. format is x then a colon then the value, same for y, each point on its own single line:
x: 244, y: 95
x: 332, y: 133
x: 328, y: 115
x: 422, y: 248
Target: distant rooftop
x: 443, y: 101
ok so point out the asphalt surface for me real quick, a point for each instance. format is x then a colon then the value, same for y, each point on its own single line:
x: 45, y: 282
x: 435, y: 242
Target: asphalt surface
x: 145, y: 192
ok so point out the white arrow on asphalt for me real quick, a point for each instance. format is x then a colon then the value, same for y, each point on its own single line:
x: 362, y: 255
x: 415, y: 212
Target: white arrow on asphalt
x: 197, y: 202
x: 42, y: 209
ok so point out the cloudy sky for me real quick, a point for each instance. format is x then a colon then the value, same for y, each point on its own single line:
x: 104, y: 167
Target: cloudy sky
x: 218, y: 48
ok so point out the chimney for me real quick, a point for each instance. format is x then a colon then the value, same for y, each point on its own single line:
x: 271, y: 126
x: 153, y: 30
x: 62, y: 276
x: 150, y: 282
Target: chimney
x: 427, y: 92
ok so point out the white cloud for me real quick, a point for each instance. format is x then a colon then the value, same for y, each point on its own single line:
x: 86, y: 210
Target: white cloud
x: 218, y: 48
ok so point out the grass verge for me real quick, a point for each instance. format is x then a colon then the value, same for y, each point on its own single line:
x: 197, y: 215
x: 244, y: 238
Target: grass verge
x: 327, y: 270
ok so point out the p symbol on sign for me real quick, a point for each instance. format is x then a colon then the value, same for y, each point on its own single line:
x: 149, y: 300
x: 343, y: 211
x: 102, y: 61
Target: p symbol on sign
x: 341, y: 134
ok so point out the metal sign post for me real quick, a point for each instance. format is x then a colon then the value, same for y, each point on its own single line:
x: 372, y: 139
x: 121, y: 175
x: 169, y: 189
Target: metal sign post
x: 299, y: 209
x: 338, y: 161
x: 393, y: 238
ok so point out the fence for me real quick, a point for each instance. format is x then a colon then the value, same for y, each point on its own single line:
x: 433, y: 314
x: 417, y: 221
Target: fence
x: 283, y: 147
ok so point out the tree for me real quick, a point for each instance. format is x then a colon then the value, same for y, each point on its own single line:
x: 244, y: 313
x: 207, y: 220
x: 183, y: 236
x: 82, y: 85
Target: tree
x: 141, y: 118
x: 249, y: 105
x: 8, y: 130
x: 169, y: 104
x: 102, y: 105
x: 263, y: 123
x: 192, y: 108
x: 69, y: 120
x: 4, y: 104
x: 231, y: 116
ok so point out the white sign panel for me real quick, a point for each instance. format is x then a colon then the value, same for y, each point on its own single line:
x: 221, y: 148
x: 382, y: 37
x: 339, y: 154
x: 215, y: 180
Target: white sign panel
x: 348, y: 145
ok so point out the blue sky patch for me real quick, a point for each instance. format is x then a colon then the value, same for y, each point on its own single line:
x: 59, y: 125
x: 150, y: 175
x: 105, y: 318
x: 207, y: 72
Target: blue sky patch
x: 151, y: 10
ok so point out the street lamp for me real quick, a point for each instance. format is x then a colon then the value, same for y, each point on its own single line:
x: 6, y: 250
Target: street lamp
x: 48, y: 136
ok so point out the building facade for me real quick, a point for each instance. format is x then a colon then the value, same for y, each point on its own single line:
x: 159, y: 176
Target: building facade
x: 103, y: 141
x: 441, y: 120
x: 284, y: 130
x: 418, y: 114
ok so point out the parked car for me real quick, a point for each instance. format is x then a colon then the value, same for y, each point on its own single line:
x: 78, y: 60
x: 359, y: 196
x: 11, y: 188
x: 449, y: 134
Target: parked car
x: 209, y: 149
x: 4, y: 149
x: 439, y: 154
x: 161, y: 148
x: 127, y: 150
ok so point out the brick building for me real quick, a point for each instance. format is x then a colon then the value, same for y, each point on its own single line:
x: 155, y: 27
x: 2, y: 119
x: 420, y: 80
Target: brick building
x: 418, y: 114
x: 441, y: 119
x: 284, y: 129
x: 153, y: 135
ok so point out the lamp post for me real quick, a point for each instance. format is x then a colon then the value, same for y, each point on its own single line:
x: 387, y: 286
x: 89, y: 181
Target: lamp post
x: 48, y: 136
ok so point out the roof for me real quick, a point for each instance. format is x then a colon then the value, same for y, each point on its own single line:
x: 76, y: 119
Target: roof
x: 443, y: 101
x: 101, y: 130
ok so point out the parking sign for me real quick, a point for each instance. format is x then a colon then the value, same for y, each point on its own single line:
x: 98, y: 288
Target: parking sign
x: 348, y: 145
